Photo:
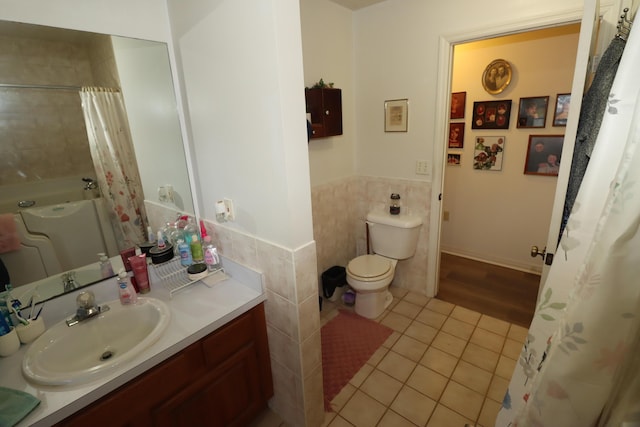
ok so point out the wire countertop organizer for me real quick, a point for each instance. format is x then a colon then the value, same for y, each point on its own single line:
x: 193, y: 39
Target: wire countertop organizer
x: 174, y: 277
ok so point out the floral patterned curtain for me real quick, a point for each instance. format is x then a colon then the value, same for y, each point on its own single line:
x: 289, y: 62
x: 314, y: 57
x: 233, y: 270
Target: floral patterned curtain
x: 579, y: 364
x: 115, y: 163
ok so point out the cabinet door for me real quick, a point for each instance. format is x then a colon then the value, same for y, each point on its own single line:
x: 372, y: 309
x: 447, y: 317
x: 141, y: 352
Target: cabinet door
x: 228, y: 396
x: 332, y: 111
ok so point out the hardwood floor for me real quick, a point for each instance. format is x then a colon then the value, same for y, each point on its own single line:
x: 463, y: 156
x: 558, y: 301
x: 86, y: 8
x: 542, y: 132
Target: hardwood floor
x: 499, y: 292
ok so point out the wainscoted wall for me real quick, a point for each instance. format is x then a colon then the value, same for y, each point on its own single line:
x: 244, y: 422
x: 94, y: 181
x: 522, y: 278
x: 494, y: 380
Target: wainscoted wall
x: 340, y: 208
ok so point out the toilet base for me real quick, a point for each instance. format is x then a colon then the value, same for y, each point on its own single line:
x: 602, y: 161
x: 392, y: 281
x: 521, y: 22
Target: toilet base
x: 372, y: 304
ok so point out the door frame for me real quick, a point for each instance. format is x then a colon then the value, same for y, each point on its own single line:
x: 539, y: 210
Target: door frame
x: 445, y: 70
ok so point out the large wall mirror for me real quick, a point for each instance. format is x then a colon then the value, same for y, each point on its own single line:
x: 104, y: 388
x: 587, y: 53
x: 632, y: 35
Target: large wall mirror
x: 48, y: 182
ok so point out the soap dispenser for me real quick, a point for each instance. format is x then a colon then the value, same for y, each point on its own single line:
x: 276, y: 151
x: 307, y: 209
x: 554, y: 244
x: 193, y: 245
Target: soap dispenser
x: 394, y: 206
x: 125, y: 288
x: 106, y: 270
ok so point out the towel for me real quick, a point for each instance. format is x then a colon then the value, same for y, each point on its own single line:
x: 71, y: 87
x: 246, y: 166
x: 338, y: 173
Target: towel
x: 9, y: 239
x: 14, y: 406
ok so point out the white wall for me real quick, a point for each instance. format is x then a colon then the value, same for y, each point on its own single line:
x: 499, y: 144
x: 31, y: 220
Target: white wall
x: 147, y: 87
x: 328, y: 54
x: 242, y: 67
x: 497, y: 215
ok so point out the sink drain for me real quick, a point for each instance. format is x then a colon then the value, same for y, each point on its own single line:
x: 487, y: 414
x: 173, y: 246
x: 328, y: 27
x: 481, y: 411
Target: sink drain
x: 106, y: 355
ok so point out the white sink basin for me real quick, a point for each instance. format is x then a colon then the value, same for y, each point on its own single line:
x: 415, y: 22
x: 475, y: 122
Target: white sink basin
x: 83, y: 352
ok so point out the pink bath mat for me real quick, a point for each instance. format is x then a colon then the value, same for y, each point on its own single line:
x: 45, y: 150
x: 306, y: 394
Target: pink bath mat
x: 348, y: 341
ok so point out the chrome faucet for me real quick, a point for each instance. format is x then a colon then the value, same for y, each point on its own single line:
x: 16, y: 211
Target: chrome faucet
x: 69, y: 281
x: 86, y: 308
x: 90, y: 184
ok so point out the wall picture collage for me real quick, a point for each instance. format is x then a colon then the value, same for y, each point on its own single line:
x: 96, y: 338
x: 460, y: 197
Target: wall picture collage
x: 543, y: 151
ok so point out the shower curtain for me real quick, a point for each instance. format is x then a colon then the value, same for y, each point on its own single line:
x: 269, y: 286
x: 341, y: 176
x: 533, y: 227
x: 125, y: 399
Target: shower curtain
x: 115, y: 163
x: 579, y: 364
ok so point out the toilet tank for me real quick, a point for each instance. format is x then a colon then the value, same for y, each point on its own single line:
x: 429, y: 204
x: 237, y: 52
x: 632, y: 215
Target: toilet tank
x: 393, y: 236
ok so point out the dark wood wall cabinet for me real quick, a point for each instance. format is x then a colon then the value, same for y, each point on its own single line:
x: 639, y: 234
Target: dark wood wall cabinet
x: 325, y: 107
x: 222, y: 380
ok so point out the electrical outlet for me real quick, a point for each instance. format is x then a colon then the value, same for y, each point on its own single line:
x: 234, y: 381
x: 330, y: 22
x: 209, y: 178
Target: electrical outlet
x: 445, y: 216
x: 421, y: 167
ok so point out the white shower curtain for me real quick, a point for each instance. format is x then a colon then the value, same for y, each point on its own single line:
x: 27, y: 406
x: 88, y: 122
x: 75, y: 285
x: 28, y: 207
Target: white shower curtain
x: 579, y: 364
x: 115, y: 163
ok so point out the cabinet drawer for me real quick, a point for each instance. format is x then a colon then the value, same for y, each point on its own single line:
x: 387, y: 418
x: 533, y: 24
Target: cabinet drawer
x: 228, y: 340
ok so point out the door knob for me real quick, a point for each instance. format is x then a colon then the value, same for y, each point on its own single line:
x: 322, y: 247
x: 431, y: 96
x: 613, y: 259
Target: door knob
x: 535, y: 251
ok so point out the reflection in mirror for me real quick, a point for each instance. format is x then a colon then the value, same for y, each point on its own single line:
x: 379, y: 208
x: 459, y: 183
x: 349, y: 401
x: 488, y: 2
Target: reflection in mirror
x: 49, y: 187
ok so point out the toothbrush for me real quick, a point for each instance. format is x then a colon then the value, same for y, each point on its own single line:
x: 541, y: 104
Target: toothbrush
x: 31, y: 302
x: 20, y: 318
x: 39, y: 311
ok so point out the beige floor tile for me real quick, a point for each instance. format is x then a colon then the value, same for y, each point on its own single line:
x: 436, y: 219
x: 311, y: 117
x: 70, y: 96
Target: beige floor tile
x: 494, y: 325
x: 341, y: 398
x: 377, y: 356
x: 396, y: 321
x: 407, y: 309
x: 362, y: 410
x: 439, y: 361
x: 431, y: 318
x: 487, y: 339
x: 389, y: 342
x: 441, y: 307
x: 428, y: 382
x: 466, y: 315
x: 381, y: 387
x: 489, y: 413
x: 399, y: 367
x: 445, y: 417
x: 361, y: 375
x: 458, y: 328
x: 414, y: 406
x: 416, y: 298
x: 518, y: 333
x: 340, y: 422
x: 328, y: 418
x: 512, y: 349
x: 505, y: 367
x: 481, y: 357
x: 392, y: 419
x: 410, y: 348
x: 450, y: 344
x: 462, y: 400
x: 498, y: 388
x: 421, y: 332
x: 472, y: 377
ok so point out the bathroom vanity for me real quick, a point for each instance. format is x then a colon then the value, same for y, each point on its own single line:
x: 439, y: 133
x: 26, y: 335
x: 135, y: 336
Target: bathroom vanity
x: 210, y: 367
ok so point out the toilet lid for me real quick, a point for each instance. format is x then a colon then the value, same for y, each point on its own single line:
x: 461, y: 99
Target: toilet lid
x: 369, y: 266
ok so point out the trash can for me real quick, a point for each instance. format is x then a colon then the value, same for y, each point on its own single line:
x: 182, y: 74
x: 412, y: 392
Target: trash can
x: 334, y: 277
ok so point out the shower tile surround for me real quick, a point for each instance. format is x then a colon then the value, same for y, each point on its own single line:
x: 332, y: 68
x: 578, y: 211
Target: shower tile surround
x: 43, y: 131
x: 339, y: 212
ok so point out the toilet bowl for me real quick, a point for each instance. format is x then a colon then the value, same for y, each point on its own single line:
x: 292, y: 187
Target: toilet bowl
x: 370, y: 276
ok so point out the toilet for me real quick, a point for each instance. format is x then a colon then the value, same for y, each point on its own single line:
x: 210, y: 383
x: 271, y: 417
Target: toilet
x: 392, y: 238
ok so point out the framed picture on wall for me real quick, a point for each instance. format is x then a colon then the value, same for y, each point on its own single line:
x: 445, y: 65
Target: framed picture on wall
x: 395, y: 115
x: 456, y: 135
x: 543, y: 155
x: 563, y: 102
x: 496, y: 76
x: 454, y: 159
x: 491, y: 114
x: 488, y: 151
x: 533, y: 112
x: 458, y: 102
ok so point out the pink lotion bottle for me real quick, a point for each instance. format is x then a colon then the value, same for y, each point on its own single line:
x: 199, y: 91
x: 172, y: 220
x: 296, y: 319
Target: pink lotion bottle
x: 140, y: 272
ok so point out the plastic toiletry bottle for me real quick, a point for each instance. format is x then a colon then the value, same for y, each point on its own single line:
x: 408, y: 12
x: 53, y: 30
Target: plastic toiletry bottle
x: 185, y: 253
x: 189, y: 230
x: 125, y: 288
x: 211, y: 257
x: 140, y: 272
x: 106, y: 270
x: 196, y: 249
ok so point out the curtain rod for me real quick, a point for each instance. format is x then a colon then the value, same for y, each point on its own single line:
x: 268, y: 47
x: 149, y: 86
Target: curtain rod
x: 20, y: 86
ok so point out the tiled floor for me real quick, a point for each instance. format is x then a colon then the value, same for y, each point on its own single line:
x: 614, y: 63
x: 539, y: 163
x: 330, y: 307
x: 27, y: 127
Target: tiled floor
x: 444, y: 366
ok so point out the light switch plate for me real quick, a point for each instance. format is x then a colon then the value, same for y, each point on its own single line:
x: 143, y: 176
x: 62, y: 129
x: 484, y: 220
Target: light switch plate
x: 421, y: 167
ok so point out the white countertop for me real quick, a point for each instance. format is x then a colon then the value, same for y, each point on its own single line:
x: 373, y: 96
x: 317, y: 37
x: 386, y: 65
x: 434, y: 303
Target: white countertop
x: 196, y: 311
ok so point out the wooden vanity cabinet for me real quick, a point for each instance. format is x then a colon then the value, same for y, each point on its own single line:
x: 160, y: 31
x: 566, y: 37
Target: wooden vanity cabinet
x: 222, y: 380
x: 325, y: 107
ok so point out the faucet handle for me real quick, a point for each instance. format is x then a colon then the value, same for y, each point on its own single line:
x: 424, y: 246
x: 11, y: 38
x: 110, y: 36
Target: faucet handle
x: 86, y: 299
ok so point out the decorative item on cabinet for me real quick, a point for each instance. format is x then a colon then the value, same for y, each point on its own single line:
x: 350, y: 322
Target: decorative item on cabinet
x: 324, y: 104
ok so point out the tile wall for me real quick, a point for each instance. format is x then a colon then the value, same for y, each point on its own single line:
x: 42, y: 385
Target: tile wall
x: 339, y: 213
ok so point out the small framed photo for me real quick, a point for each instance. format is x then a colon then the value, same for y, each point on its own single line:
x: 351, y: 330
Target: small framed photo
x: 543, y: 155
x: 491, y: 114
x: 533, y: 112
x: 496, y: 76
x: 488, y: 151
x: 395, y: 115
x: 563, y: 102
x: 454, y: 159
x: 456, y: 135
x: 458, y: 102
